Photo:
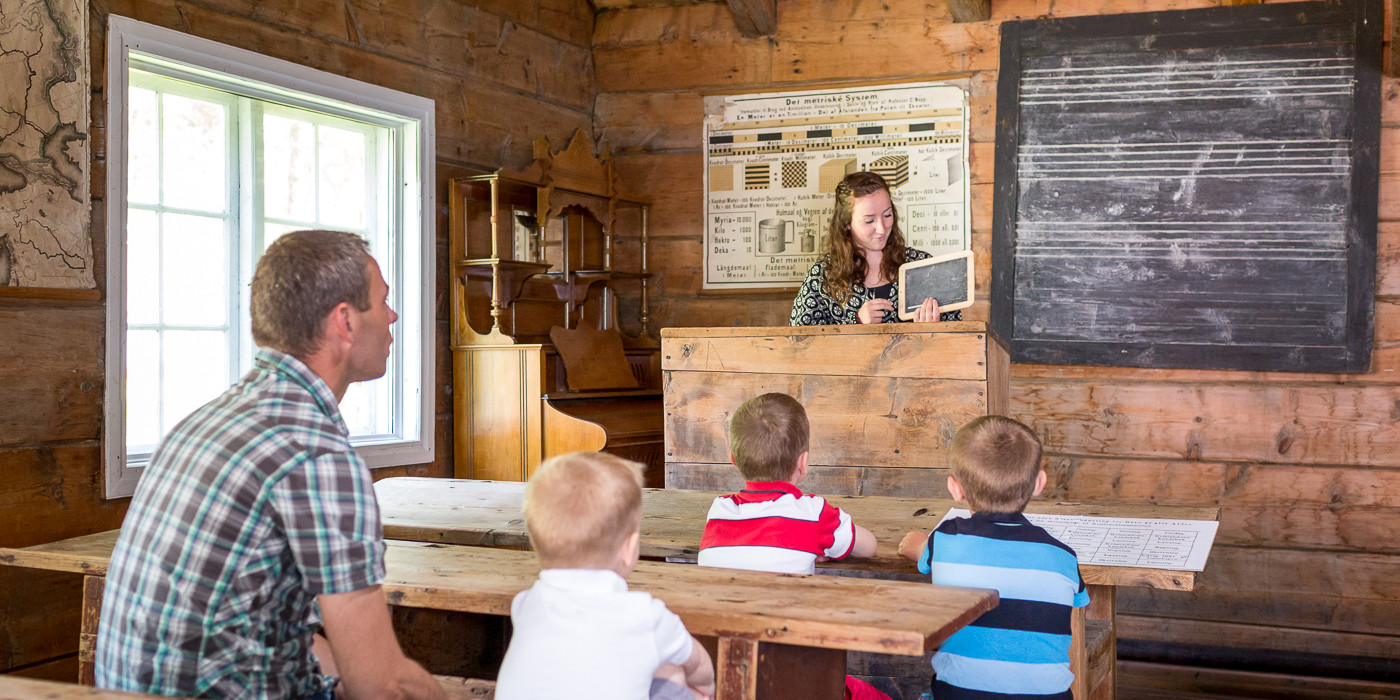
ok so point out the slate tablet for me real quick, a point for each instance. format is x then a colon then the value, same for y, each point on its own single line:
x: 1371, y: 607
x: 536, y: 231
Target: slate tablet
x: 947, y: 278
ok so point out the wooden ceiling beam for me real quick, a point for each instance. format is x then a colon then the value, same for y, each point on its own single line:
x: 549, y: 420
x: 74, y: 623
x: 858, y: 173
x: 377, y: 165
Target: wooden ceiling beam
x: 970, y: 10
x: 755, y: 18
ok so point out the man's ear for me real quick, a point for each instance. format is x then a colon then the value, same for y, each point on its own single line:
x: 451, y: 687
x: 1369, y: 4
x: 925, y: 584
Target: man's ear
x: 956, y: 490
x: 1040, y: 480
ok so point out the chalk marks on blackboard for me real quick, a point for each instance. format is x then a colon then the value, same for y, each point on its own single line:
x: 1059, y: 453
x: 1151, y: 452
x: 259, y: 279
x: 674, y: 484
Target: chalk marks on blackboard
x: 1221, y: 79
x: 1189, y: 189
x: 1200, y: 159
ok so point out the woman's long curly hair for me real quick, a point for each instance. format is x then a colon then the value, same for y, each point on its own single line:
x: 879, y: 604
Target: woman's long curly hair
x: 844, y: 267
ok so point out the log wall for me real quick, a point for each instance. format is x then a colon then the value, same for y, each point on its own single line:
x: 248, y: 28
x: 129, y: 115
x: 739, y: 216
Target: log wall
x: 1306, y: 467
x: 501, y: 72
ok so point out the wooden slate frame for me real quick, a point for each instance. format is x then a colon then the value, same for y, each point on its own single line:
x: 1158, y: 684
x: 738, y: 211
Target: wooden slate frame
x: 1292, y: 25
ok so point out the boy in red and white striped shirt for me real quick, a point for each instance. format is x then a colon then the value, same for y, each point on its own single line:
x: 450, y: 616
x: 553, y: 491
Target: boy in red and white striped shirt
x: 771, y: 525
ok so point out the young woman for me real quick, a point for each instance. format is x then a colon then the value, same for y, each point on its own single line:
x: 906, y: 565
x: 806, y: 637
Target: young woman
x: 856, y: 279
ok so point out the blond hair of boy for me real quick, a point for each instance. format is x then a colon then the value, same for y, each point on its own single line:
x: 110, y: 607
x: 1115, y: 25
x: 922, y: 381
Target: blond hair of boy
x: 994, y: 467
x: 583, y: 510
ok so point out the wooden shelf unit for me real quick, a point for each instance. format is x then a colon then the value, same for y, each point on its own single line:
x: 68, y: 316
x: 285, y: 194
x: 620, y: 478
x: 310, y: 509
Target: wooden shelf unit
x: 533, y: 250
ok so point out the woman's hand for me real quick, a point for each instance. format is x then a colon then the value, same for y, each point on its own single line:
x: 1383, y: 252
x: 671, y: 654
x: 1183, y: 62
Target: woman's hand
x: 927, y: 311
x: 873, y: 311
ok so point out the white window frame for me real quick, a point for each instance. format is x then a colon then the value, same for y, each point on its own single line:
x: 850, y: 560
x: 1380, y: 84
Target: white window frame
x: 409, y: 116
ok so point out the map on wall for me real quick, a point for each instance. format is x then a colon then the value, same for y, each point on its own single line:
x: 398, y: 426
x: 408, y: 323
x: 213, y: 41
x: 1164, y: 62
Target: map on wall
x: 44, y: 197
x: 773, y: 160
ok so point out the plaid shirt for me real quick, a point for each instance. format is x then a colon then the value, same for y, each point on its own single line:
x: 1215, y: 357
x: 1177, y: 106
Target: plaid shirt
x: 252, y: 506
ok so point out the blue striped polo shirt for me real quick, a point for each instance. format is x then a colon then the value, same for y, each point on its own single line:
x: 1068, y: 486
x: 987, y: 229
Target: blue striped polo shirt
x: 1021, y: 647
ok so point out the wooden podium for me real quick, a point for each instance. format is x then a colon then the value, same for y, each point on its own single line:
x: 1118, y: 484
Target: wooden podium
x: 883, y: 400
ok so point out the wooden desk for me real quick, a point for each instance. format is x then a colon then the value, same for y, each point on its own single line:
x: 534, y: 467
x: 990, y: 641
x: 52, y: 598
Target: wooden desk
x: 487, y: 513
x: 17, y: 688
x: 770, y: 627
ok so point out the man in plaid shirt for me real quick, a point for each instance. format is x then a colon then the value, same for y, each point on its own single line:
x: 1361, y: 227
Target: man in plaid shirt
x: 255, y: 525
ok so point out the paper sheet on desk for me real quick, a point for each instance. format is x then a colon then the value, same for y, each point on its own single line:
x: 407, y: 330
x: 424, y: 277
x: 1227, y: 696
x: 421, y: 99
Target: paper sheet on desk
x: 1179, y: 545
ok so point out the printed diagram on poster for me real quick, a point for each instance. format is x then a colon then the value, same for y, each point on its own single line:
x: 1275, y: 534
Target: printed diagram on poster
x: 773, y: 160
x: 1149, y: 543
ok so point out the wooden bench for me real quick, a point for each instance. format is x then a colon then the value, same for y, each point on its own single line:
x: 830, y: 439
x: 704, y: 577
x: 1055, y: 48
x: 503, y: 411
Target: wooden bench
x: 487, y: 513
x: 769, y: 627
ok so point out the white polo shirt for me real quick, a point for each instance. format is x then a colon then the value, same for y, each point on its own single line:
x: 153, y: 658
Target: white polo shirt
x: 580, y: 634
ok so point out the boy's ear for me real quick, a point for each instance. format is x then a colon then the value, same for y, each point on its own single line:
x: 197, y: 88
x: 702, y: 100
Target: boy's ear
x: 801, y: 469
x: 956, y: 490
x: 1040, y: 480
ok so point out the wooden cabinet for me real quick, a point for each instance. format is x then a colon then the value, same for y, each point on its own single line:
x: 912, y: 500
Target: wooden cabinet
x: 534, y: 286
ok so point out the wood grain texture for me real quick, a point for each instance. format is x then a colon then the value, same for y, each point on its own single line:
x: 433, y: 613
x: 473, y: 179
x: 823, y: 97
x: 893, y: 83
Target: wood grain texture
x: 17, y: 688
x: 467, y: 512
x: 1140, y: 679
x: 909, y: 618
x: 855, y: 421
x: 1300, y: 424
x: 1255, y: 636
x: 27, y: 639
x: 896, y: 351
x: 755, y: 18
x: 970, y: 10
x: 875, y: 396
x: 54, y: 393
x: 53, y: 491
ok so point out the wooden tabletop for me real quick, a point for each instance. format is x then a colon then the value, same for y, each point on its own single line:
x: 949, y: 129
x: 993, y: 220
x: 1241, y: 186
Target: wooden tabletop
x: 16, y: 688
x: 891, y: 617
x: 487, y: 513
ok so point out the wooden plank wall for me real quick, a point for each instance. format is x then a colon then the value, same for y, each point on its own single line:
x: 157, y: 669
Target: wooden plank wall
x: 501, y: 72
x: 1305, y: 466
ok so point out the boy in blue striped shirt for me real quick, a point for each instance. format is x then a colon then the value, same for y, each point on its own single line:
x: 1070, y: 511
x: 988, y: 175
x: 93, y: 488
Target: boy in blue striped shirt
x: 1020, y: 649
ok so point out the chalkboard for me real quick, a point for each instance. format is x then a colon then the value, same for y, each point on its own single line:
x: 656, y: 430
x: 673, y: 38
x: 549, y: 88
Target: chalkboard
x: 1190, y: 189
x: 947, y: 278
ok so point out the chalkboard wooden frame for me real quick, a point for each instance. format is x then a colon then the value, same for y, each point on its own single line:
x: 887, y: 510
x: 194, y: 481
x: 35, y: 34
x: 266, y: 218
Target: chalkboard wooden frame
x: 1167, y: 330
x: 910, y: 275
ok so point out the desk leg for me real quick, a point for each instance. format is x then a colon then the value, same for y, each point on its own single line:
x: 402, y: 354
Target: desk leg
x: 1101, y: 670
x: 749, y: 670
x: 87, y: 633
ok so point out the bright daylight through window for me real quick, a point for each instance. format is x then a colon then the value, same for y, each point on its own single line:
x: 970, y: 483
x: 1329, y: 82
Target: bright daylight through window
x: 224, y: 151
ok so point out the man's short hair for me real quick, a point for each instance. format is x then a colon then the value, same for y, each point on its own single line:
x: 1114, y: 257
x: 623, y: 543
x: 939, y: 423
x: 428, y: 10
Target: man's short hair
x: 996, y: 461
x: 299, y: 280
x: 580, y: 508
x: 766, y: 436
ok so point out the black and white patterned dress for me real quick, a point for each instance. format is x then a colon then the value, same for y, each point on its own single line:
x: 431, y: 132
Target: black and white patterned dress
x: 814, y: 307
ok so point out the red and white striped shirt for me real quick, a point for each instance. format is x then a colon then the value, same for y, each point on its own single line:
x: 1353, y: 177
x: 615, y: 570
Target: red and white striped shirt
x: 773, y: 526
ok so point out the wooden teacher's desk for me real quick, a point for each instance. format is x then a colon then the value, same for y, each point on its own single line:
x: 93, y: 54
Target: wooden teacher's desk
x: 779, y: 636
x: 487, y: 513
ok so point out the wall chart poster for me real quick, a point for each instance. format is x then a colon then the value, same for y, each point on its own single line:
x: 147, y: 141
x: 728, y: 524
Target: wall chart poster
x: 772, y: 162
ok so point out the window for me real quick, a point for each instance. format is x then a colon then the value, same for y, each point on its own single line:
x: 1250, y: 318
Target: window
x: 213, y: 153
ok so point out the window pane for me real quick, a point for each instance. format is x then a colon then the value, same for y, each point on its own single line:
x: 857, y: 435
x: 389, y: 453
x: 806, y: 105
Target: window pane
x: 342, y: 178
x: 272, y: 232
x: 143, y: 147
x: 142, y: 267
x: 289, y: 169
x: 365, y: 407
x: 196, y: 371
x: 195, y: 153
x: 196, y: 270
x: 142, y: 390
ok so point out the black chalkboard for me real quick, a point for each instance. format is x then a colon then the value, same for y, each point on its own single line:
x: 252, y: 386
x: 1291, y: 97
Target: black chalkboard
x: 1190, y: 189
x: 946, y: 278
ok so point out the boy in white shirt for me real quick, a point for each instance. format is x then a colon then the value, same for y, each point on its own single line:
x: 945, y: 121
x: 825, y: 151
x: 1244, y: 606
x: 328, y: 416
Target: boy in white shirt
x: 578, y: 632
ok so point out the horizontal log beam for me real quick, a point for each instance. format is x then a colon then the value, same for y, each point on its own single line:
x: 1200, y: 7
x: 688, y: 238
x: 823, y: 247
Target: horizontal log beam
x: 755, y: 18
